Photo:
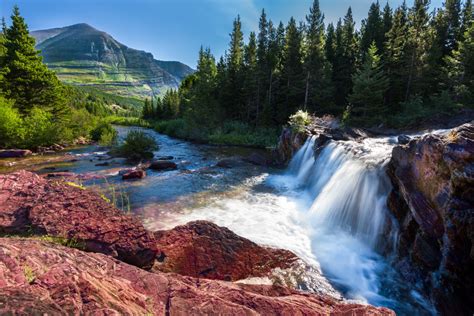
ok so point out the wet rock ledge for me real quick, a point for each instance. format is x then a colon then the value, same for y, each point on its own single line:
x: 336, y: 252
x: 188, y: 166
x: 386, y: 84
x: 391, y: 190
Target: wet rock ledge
x: 65, y: 250
x: 433, y: 201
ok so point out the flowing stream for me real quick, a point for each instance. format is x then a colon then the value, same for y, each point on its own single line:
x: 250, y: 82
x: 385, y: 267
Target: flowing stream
x: 329, y: 209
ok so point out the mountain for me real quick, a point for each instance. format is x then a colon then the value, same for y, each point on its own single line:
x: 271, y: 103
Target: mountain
x: 82, y: 55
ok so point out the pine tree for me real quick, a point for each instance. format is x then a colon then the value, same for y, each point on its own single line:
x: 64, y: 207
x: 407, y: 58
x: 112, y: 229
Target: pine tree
x: 417, y: 45
x: 26, y: 79
x: 387, y: 22
x: 263, y: 70
x: 233, y: 91
x: 467, y: 17
x: 317, y: 81
x: 396, y: 58
x: 460, y: 68
x: 345, y: 60
x: 276, y: 38
x: 330, y: 43
x: 251, y: 81
x: 370, y: 85
x: 372, y: 29
x: 147, y: 112
x: 453, y: 23
x: 292, y: 72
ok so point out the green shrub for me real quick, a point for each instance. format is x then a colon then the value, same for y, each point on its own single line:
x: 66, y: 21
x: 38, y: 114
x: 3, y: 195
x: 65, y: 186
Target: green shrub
x: 104, y: 133
x: 40, y: 130
x: 299, y: 120
x: 80, y: 123
x: 11, y: 125
x: 136, y: 146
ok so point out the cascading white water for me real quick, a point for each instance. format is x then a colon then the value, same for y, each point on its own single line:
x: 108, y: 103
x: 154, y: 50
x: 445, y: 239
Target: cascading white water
x: 348, y: 186
x: 330, y: 210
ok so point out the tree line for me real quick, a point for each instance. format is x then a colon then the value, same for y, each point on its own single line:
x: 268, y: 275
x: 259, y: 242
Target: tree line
x: 402, y: 64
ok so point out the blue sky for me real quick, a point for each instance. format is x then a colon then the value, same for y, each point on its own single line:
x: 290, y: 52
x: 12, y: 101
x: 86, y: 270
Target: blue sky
x: 175, y: 29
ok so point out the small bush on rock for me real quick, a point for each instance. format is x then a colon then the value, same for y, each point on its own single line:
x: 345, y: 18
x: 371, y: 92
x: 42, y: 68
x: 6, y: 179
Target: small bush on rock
x: 299, y: 120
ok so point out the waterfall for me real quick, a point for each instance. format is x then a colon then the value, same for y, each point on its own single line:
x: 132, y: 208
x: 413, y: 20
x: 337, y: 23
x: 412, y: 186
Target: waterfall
x: 347, y: 185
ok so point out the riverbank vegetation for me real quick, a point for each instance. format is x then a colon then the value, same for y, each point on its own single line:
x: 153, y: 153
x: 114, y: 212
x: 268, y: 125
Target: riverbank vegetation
x: 402, y: 65
x: 36, y: 109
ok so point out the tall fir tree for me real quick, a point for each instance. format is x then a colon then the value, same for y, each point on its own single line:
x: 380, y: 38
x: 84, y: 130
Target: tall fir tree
x: 467, y: 17
x: 250, y: 89
x: 26, y: 80
x: 263, y: 67
x: 372, y: 29
x: 344, y: 65
x: 370, y: 85
x: 292, y: 72
x: 316, y: 68
x: 417, y: 45
x: 387, y: 21
x: 234, y: 92
x: 396, y: 58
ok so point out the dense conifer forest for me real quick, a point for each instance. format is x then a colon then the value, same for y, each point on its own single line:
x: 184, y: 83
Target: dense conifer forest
x: 402, y: 65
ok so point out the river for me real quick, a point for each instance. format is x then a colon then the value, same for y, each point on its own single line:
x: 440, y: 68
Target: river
x: 329, y: 210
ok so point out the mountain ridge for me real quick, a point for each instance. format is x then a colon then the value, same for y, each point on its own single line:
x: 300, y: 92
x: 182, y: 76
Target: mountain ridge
x: 83, y: 55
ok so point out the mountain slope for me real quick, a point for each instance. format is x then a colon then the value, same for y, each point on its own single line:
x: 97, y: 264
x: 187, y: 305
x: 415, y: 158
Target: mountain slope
x: 83, y: 55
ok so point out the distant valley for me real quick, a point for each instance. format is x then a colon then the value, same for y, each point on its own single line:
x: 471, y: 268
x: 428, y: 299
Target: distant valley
x: 84, y: 56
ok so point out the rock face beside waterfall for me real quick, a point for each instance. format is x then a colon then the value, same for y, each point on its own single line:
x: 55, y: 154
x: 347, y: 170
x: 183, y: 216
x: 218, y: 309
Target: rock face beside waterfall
x: 433, y: 201
x: 325, y: 129
x: 108, y: 275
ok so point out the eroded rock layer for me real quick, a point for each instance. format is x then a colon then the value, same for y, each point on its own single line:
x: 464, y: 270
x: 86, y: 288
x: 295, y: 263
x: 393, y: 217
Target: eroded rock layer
x: 433, y: 200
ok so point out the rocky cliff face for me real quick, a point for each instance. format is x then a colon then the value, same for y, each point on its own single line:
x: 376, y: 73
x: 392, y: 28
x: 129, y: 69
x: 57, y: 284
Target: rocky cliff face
x: 433, y: 201
x: 83, y: 55
x: 110, y: 271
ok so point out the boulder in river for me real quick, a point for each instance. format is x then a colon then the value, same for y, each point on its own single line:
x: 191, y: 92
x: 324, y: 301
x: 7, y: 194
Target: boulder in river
x: 165, y: 158
x: 433, y: 200
x: 56, y: 280
x: 14, y: 153
x: 134, y: 174
x: 163, y: 165
x: 203, y: 249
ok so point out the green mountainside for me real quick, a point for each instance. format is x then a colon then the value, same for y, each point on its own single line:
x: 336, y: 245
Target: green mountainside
x: 84, y: 56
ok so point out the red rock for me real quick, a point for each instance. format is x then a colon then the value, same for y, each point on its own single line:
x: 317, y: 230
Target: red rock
x: 134, y: 174
x: 14, y: 153
x: 51, y: 279
x: 35, y: 205
x: 203, y: 249
x: 163, y: 165
x: 433, y: 199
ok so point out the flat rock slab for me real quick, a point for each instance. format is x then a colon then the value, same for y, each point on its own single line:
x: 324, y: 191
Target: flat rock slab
x: 52, y: 279
x: 33, y: 205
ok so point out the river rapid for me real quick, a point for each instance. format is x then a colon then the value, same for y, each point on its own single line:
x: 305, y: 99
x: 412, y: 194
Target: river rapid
x: 329, y: 210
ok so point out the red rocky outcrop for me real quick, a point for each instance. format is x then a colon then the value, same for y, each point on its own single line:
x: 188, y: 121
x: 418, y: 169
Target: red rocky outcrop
x: 203, y: 249
x: 134, y: 174
x: 433, y: 200
x: 33, y: 205
x: 51, y: 279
